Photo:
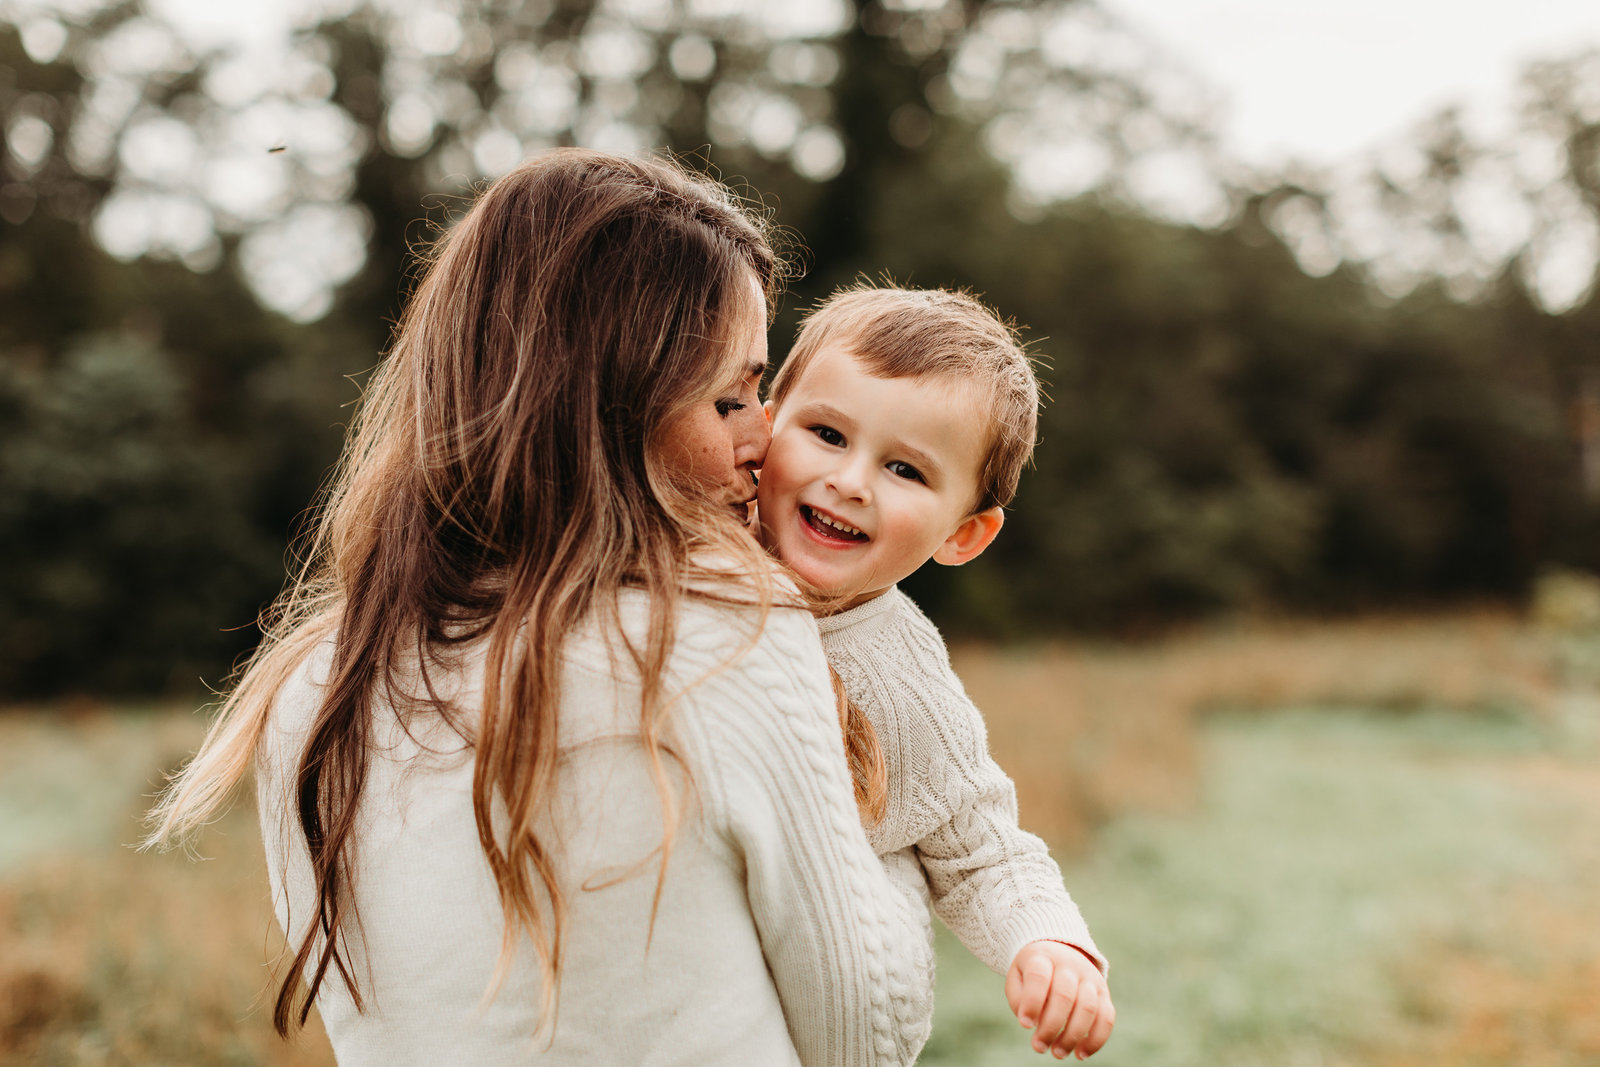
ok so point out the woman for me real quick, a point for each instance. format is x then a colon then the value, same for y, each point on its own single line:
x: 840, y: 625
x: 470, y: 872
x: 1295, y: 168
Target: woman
x: 548, y: 764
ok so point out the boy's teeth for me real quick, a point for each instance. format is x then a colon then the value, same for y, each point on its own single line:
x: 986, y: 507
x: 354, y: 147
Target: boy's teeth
x: 841, y: 526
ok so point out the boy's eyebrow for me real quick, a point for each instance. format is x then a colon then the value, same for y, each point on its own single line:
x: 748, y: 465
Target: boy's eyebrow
x: 920, y: 459
x: 818, y: 410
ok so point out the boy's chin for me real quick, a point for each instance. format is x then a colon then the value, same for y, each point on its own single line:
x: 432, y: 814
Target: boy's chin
x: 857, y: 599
x: 842, y: 593
x: 823, y: 585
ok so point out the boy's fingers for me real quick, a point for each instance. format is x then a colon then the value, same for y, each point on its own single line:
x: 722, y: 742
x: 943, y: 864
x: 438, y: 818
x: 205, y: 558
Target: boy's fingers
x: 1033, y: 987
x: 1085, y: 1013
x: 1057, y: 1010
x: 1014, y: 988
x: 1100, y: 1032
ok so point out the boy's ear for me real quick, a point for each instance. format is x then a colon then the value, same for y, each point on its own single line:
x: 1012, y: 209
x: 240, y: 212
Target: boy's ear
x: 766, y: 409
x: 970, y: 539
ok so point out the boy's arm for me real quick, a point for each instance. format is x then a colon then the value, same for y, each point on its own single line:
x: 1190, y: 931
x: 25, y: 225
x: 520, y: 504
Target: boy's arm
x: 992, y: 883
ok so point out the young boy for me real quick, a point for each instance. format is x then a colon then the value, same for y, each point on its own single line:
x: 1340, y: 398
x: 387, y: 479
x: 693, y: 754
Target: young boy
x: 900, y: 424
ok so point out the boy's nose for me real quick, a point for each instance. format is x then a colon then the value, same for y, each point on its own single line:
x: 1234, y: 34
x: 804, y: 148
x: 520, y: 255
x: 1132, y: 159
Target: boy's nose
x: 850, y: 482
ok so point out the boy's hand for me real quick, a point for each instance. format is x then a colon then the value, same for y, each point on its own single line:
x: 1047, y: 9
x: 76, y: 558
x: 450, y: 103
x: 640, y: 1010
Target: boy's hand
x: 1058, y: 993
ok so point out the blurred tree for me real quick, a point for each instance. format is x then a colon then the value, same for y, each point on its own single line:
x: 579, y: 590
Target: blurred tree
x: 318, y: 150
x: 126, y: 534
x: 1229, y: 431
x: 1255, y: 399
x: 158, y: 430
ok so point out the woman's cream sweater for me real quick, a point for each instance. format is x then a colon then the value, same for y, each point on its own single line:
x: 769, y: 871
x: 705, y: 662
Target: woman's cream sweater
x: 778, y: 938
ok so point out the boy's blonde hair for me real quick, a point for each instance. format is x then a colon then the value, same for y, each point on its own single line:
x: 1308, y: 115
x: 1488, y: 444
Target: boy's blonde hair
x: 917, y: 333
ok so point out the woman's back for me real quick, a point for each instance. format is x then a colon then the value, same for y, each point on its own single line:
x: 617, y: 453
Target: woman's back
x: 568, y: 419
x: 774, y: 939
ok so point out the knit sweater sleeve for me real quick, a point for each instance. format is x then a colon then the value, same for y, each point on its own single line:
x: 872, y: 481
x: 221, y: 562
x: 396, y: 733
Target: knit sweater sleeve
x: 992, y: 883
x: 843, y: 946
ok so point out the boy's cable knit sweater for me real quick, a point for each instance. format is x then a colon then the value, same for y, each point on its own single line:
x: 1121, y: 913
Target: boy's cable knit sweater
x: 952, y: 811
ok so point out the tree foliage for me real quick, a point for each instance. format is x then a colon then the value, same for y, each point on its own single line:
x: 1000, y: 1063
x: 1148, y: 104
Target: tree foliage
x: 1252, y: 405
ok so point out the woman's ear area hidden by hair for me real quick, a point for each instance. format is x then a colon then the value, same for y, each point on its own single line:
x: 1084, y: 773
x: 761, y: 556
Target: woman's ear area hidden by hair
x: 716, y: 443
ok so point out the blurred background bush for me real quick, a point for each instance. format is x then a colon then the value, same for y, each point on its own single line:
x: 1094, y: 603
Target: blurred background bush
x: 1269, y: 389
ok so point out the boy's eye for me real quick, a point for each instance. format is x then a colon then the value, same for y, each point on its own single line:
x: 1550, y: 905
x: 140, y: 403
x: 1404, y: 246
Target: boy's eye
x: 905, y: 470
x: 728, y: 407
x: 828, y: 435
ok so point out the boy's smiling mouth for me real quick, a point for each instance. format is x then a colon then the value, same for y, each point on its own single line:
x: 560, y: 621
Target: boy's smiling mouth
x: 830, y: 528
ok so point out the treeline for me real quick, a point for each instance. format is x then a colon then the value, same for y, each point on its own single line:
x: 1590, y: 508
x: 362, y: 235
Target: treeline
x: 1229, y: 433
x: 1224, y: 431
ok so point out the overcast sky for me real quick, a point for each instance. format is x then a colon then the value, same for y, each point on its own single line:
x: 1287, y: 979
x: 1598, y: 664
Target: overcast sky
x: 1321, y: 81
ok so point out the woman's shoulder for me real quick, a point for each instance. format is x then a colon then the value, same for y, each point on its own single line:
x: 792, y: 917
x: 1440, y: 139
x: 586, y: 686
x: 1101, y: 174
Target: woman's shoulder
x: 296, y: 703
x: 766, y: 687
x: 730, y: 625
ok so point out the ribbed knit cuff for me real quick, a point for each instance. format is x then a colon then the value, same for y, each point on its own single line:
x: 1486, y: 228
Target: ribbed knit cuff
x: 1047, y: 921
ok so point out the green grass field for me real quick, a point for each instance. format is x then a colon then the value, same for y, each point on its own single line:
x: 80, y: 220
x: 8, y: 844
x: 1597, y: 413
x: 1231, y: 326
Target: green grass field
x: 1362, y: 845
x: 1351, y: 888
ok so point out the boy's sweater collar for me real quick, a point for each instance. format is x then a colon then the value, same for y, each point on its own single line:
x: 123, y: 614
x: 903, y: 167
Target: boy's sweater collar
x: 863, y: 619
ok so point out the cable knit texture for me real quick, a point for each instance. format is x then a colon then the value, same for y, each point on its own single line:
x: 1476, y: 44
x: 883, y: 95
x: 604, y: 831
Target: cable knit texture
x: 779, y: 937
x: 950, y: 807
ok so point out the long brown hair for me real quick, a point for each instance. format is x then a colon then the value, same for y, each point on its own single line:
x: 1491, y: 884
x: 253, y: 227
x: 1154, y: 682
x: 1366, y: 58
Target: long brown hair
x: 500, y: 484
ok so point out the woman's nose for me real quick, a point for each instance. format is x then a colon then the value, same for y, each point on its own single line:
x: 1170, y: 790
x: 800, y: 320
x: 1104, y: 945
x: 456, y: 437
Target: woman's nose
x: 751, y: 439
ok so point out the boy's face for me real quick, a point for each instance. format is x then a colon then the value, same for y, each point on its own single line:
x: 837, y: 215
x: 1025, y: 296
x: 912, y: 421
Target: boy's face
x: 868, y: 478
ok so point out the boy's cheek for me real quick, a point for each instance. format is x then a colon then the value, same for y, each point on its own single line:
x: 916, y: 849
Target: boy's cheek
x: 773, y: 479
x: 757, y: 526
x: 761, y: 509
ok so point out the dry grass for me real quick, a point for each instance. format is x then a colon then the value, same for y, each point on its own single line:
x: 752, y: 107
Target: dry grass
x: 130, y: 959
x: 1529, y: 995
x: 1534, y: 1007
x: 1090, y: 731
x: 112, y: 957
